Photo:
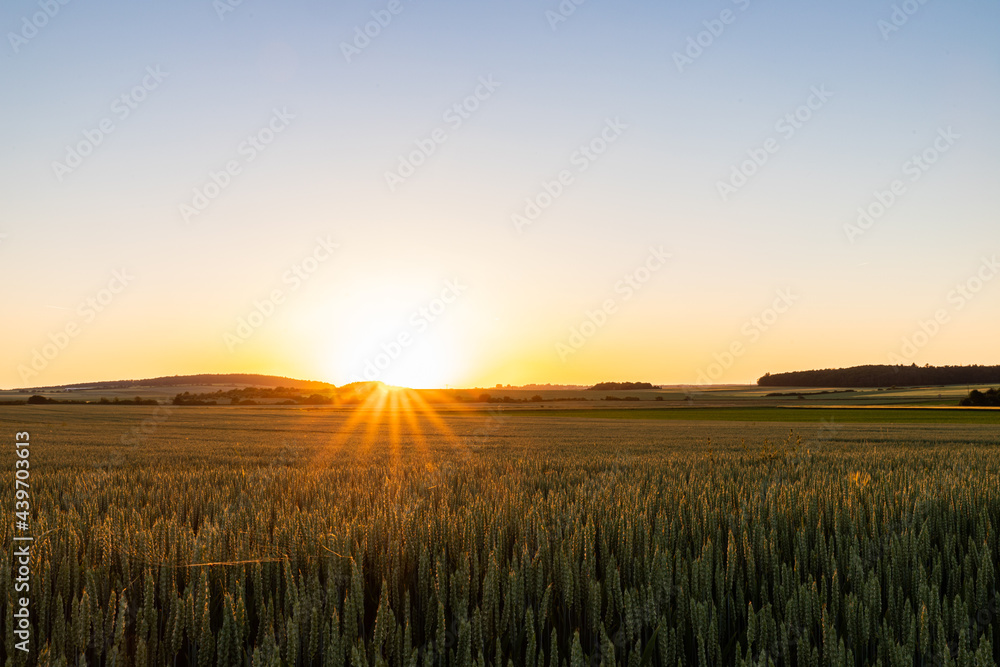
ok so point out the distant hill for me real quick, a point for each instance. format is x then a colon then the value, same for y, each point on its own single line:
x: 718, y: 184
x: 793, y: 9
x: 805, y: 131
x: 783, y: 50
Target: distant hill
x: 545, y: 387
x: 248, y: 379
x: 884, y: 376
x: 621, y: 386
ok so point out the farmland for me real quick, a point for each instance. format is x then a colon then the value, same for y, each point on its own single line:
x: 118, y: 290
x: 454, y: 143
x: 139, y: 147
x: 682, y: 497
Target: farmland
x: 768, y: 414
x: 459, y: 536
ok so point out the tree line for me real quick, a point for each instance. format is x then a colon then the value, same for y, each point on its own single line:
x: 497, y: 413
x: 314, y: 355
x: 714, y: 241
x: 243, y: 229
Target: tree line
x: 884, y: 376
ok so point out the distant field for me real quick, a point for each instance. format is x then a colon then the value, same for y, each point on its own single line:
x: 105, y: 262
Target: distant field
x: 872, y: 415
x: 168, y: 435
x: 714, y: 395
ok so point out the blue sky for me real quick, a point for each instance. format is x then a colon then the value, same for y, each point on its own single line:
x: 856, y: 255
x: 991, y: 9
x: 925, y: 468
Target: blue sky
x: 657, y: 185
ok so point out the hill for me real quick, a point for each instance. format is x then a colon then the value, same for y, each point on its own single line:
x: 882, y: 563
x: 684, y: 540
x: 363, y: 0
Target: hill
x: 884, y: 376
x: 248, y: 379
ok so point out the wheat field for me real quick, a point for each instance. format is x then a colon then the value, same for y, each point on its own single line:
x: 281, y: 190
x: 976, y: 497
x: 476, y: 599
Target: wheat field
x: 263, y: 537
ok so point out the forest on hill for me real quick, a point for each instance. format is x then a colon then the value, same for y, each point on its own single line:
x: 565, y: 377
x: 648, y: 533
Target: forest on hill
x: 884, y: 376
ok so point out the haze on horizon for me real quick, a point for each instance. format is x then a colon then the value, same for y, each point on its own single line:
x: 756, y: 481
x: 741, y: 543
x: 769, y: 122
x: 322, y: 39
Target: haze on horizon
x: 495, y: 192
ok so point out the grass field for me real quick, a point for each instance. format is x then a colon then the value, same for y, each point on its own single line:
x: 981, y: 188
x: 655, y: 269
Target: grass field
x: 873, y: 415
x: 266, y: 536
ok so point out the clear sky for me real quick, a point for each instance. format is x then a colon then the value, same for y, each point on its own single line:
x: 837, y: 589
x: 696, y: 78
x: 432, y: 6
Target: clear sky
x: 625, y: 191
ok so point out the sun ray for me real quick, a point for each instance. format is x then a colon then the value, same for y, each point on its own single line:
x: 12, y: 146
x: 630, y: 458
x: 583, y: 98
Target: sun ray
x: 374, y: 425
x: 426, y: 410
x: 395, y: 449
x: 420, y: 442
x: 400, y: 420
x: 339, y: 439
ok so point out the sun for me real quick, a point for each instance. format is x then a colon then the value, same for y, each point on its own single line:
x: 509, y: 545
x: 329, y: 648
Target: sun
x: 428, y: 364
x: 392, y: 333
x: 430, y: 359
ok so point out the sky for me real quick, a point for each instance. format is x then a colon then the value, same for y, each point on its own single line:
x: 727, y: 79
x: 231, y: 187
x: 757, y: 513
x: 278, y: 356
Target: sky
x: 462, y: 194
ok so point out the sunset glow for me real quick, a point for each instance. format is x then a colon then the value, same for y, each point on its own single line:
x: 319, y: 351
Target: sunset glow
x: 270, y: 200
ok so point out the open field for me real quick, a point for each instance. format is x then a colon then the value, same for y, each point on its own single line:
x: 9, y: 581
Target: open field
x: 319, y: 536
x: 768, y: 414
x: 696, y: 395
x: 500, y: 334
